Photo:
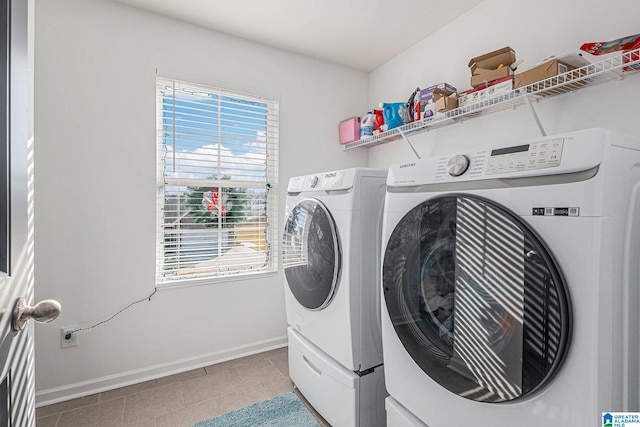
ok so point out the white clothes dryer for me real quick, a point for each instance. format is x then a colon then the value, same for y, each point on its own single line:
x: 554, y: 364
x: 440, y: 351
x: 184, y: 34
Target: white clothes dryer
x: 331, y: 249
x: 511, y: 282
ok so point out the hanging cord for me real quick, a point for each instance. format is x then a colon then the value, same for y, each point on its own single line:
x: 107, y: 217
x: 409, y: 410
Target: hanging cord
x: 69, y: 334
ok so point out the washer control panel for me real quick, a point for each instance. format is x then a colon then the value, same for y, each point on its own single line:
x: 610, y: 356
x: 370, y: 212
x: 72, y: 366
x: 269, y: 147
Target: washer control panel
x: 517, y: 158
x: 470, y: 164
x: 536, y: 155
x: 506, y: 163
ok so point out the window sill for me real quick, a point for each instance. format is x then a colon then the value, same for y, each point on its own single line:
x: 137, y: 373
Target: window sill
x: 187, y: 283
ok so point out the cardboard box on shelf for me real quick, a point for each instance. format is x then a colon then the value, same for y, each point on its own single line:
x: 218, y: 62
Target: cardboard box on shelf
x: 428, y: 102
x: 543, y: 71
x: 497, y: 87
x: 427, y: 94
x: 349, y: 130
x: 445, y: 100
x: 491, y: 66
x: 551, y: 67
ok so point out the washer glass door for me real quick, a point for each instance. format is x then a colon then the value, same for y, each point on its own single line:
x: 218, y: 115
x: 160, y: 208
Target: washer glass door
x: 311, y: 254
x: 476, y: 299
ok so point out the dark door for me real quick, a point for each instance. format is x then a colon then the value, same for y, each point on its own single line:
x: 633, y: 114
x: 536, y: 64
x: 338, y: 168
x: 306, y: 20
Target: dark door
x: 311, y: 254
x: 476, y: 298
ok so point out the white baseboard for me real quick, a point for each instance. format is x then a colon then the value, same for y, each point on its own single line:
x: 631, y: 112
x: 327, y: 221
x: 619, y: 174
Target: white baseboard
x: 99, y: 385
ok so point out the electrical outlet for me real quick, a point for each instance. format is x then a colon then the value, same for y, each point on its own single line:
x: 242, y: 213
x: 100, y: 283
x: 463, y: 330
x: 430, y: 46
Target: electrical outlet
x: 68, y: 338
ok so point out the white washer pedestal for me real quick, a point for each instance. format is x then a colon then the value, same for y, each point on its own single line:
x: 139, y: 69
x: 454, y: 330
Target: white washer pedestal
x: 342, y: 397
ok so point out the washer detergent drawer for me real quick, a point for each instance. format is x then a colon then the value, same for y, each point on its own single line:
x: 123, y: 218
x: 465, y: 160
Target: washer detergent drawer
x: 342, y: 397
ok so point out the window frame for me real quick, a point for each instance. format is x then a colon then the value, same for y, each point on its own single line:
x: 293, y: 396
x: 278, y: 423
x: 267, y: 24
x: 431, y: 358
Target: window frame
x: 267, y: 184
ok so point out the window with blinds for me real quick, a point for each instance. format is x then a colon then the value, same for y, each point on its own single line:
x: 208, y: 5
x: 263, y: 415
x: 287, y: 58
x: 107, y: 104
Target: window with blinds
x: 217, y: 181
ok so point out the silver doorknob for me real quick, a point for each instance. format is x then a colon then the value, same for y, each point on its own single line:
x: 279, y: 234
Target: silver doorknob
x: 43, y: 312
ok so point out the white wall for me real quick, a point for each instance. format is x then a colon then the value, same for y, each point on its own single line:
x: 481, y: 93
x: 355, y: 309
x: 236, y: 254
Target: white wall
x: 95, y: 174
x: 535, y: 30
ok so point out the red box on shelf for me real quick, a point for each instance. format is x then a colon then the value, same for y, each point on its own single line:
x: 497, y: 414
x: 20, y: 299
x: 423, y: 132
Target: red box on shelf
x: 628, y: 45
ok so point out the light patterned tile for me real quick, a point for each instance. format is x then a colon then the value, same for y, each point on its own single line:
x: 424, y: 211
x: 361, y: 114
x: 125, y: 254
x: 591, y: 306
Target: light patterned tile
x: 225, y: 366
x: 242, y: 398
x: 251, y: 375
x: 269, y: 373
x: 143, y: 422
x: 183, y: 376
x: 153, y: 403
x: 125, y: 391
x: 217, y: 368
x: 106, y: 414
x: 276, y: 387
x: 281, y: 362
x: 272, y: 353
x: 57, y: 408
x: 190, y: 415
x: 258, y: 357
x: 247, y: 360
x: 178, y: 400
x: 208, y: 387
x: 48, y: 421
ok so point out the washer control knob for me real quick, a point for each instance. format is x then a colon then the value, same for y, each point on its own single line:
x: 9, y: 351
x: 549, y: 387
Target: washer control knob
x: 314, y: 181
x: 458, y: 165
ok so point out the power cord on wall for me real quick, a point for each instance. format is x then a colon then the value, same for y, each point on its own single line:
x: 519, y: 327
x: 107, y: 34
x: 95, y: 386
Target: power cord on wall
x: 69, y: 334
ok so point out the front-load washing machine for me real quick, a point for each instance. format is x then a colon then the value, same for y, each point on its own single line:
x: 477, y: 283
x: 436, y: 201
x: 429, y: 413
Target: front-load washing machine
x: 331, y: 249
x: 510, y: 278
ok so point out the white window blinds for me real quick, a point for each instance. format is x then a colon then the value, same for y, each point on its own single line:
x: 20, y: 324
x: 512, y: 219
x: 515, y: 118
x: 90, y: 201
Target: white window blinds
x: 217, y: 181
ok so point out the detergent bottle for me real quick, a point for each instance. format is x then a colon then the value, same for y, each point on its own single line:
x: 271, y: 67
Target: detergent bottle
x: 380, y: 125
x: 367, y: 124
x: 393, y: 114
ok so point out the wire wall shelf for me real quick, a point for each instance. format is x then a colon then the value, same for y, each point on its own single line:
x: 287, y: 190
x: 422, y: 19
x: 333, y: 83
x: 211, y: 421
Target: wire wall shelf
x: 616, y: 67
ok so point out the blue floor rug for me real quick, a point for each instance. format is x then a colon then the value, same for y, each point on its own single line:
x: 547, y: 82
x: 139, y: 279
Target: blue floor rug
x: 279, y: 411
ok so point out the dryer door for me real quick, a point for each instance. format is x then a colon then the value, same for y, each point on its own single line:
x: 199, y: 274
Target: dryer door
x: 476, y: 298
x: 311, y: 254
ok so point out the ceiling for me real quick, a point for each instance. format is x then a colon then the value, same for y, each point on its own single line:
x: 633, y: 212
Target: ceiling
x: 361, y: 34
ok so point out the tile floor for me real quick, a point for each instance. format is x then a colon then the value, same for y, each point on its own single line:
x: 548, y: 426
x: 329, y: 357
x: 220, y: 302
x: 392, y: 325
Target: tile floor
x: 179, y: 400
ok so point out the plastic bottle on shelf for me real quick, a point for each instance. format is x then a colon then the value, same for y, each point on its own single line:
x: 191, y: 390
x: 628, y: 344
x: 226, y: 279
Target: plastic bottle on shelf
x: 418, y: 106
x: 413, y: 106
x: 367, y: 124
x: 379, y: 120
x: 394, y: 114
